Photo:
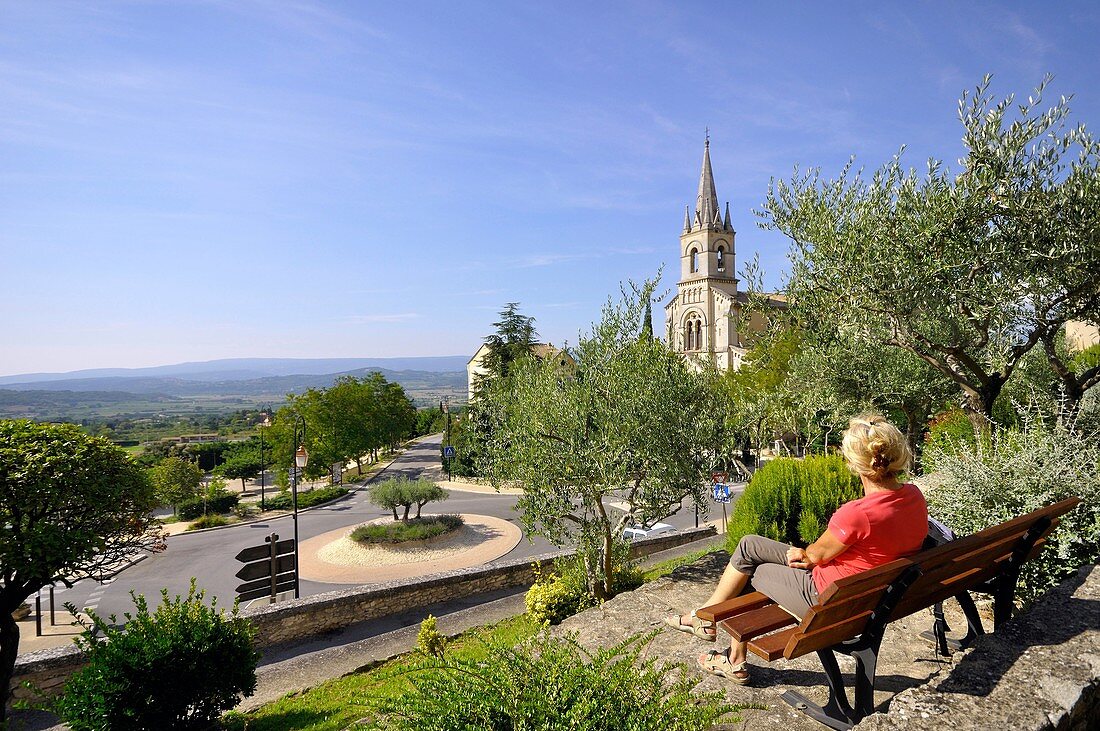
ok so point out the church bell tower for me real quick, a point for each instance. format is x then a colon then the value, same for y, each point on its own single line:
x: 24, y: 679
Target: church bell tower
x: 701, y: 320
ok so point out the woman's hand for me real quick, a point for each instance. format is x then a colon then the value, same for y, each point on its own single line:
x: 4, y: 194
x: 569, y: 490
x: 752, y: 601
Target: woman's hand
x: 797, y: 559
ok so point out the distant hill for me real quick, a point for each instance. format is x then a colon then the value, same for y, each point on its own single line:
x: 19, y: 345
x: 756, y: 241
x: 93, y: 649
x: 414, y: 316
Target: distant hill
x: 266, y: 386
x: 244, y: 369
x: 76, y: 398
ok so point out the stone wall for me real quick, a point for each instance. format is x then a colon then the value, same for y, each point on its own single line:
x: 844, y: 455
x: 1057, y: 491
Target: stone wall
x: 306, y: 618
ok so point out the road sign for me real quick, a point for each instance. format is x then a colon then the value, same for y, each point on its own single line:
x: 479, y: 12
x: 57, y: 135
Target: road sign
x: 255, y: 553
x: 261, y: 569
x: 449, y: 452
x: 721, y: 493
x: 262, y: 587
x: 719, y: 477
x: 294, y: 474
x: 267, y: 570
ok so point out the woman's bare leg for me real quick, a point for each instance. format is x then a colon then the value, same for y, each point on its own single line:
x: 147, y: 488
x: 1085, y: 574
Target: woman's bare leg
x: 732, y: 583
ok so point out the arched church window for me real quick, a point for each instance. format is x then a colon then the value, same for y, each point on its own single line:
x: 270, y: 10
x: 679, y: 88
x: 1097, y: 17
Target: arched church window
x: 721, y: 259
x: 694, y: 260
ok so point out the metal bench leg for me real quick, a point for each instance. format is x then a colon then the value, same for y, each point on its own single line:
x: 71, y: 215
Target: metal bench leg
x: 973, y: 621
x: 837, y: 713
x: 866, y: 665
x: 938, y: 633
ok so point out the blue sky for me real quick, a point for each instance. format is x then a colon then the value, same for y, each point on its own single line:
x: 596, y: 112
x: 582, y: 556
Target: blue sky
x: 198, y: 180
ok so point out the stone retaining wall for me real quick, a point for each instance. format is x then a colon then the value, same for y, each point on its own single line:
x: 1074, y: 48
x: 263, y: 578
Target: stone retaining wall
x: 306, y: 618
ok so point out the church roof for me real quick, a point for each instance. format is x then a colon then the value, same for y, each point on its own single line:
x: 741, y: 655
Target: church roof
x: 707, y: 212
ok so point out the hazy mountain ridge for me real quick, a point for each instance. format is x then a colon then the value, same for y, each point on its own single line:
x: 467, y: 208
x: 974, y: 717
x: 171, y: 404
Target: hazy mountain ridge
x: 242, y: 369
x: 268, y: 385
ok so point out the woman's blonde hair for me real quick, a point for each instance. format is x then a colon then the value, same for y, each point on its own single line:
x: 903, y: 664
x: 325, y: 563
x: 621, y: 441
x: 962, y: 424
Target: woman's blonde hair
x: 876, y: 448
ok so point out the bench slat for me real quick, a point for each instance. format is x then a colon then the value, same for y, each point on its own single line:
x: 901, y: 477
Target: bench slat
x: 756, y: 622
x: 717, y: 612
x: 770, y: 647
x: 935, y: 584
x: 967, y: 544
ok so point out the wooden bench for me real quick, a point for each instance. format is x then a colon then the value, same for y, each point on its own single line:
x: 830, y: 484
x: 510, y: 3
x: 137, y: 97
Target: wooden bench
x: 852, y: 614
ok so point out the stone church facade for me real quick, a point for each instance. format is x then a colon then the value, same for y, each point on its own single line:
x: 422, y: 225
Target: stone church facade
x: 702, y: 319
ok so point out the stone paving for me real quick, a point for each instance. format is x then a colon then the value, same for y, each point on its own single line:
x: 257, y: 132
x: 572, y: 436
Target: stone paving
x: 906, y: 661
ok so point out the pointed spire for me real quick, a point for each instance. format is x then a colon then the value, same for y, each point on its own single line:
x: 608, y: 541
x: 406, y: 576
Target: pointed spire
x: 687, y: 218
x: 728, y: 226
x: 706, y: 204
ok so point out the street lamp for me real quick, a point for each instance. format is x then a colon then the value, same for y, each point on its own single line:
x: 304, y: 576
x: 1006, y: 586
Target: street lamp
x: 263, y: 464
x: 445, y: 406
x: 301, y: 459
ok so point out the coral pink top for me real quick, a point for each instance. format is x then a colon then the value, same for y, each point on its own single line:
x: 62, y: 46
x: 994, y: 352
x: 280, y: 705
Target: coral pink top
x: 877, y: 529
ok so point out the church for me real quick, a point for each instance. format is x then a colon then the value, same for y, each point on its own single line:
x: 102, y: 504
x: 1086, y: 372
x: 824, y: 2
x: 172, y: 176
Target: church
x: 702, y: 319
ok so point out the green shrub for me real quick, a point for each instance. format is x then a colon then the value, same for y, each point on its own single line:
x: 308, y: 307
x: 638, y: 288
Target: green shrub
x: 564, y: 591
x: 948, y: 433
x: 1024, y: 470
x: 429, y: 641
x: 222, y: 503
x: 211, y: 520
x: 417, y: 529
x: 791, y: 500
x: 283, y: 500
x: 177, y: 668
x: 552, y: 598
x: 550, y: 683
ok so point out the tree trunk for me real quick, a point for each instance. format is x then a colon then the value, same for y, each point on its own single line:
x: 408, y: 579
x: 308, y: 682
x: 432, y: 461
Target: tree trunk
x: 9, y: 650
x: 405, y: 517
x: 608, y: 568
x: 394, y: 513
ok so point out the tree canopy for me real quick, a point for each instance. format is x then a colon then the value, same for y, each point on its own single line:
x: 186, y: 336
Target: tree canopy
x: 71, y: 506
x: 626, y: 419
x: 966, y: 270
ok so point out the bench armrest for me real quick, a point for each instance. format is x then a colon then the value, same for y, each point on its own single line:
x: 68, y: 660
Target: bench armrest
x: 731, y: 607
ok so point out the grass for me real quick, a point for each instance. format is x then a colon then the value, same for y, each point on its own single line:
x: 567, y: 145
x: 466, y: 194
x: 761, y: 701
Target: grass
x: 664, y: 568
x: 337, y: 704
x: 417, y: 529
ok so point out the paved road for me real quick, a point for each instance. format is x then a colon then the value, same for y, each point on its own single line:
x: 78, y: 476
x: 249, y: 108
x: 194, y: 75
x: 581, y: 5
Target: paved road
x: 208, y: 556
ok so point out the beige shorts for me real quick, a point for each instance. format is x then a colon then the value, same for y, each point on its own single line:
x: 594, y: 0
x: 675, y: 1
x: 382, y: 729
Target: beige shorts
x: 765, y: 561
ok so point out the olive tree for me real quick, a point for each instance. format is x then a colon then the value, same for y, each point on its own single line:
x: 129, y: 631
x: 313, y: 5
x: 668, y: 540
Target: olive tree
x: 71, y: 506
x: 624, y: 418
x: 967, y: 270
x: 176, y: 479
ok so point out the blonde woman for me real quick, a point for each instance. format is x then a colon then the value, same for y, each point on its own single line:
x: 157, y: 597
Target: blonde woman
x: 890, y: 521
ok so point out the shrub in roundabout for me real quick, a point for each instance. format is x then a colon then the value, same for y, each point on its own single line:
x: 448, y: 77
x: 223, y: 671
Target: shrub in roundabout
x: 791, y: 500
x: 179, y: 667
x: 417, y: 529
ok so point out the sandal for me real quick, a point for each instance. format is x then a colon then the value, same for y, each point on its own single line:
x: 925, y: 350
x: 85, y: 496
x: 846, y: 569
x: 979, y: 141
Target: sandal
x: 718, y: 663
x: 696, y: 627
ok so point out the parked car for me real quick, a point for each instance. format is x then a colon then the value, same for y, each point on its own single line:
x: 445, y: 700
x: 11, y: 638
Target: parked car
x: 638, y: 532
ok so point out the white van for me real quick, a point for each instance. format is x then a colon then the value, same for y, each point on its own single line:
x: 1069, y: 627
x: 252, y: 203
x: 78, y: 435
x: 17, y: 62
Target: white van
x: 638, y: 532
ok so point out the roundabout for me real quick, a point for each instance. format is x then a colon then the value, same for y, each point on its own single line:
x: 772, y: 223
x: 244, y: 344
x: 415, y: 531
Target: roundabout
x: 334, y: 558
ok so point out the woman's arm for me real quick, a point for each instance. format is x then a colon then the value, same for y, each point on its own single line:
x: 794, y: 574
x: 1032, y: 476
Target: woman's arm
x: 821, y: 551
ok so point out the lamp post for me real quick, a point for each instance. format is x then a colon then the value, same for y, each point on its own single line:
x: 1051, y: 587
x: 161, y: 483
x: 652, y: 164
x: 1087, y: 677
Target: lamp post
x: 263, y: 464
x: 445, y: 405
x: 301, y: 459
